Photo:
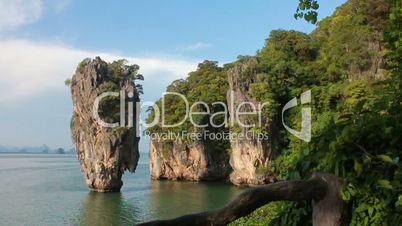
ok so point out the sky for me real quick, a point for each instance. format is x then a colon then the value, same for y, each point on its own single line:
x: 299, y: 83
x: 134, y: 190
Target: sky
x: 42, y: 42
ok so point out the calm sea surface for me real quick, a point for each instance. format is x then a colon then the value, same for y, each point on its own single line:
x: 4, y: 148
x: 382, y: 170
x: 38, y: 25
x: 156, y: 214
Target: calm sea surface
x: 46, y: 189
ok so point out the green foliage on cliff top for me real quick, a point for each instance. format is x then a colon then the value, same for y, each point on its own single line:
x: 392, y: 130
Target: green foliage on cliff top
x: 208, y: 84
x: 112, y: 79
x: 118, y: 71
x: 357, y: 121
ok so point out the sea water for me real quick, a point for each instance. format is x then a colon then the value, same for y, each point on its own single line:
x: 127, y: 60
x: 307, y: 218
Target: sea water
x: 49, y: 189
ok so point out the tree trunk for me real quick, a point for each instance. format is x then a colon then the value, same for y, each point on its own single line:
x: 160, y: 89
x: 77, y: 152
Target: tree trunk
x: 323, y: 189
x: 331, y: 210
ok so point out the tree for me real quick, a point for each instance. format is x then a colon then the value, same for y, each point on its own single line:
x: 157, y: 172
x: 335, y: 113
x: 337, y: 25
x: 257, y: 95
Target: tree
x: 307, y: 9
x: 67, y: 82
x: 59, y: 151
x: 321, y: 189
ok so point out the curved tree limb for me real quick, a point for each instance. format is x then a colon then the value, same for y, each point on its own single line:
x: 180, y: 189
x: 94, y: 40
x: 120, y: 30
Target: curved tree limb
x: 316, y: 189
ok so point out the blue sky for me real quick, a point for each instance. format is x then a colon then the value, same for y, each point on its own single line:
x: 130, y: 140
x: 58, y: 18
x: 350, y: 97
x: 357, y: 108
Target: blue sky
x: 41, y: 42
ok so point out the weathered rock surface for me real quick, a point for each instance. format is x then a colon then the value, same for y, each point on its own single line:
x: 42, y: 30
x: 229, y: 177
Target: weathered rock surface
x: 104, y: 153
x: 249, y: 158
x: 176, y: 160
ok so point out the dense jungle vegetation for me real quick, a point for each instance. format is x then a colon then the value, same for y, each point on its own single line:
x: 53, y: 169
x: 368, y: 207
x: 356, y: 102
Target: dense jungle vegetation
x: 352, y: 64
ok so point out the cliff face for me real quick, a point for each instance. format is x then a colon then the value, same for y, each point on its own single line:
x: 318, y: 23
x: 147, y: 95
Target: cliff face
x: 176, y: 160
x: 104, y: 153
x: 249, y: 158
x: 185, y: 158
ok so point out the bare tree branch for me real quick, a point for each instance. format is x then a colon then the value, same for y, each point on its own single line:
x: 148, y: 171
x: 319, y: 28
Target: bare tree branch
x: 253, y: 198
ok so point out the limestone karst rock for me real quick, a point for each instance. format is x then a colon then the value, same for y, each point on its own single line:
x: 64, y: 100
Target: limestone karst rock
x: 249, y: 158
x: 104, y: 153
x: 195, y: 161
x: 185, y: 150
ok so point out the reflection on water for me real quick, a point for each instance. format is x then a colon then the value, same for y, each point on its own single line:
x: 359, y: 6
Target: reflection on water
x: 187, y: 197
x: 50, y: 190
x: 162, y: 200
x: 107, y: 209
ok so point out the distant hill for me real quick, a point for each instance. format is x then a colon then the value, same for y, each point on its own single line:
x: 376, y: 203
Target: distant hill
x: 32, y: 149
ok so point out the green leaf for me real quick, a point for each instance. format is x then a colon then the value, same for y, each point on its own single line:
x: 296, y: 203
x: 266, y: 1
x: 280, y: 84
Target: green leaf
x: 385, y: 184
x: 370, y: 211
x: 315, y: 5
x: 352, y: 189
x: 358, y: 167
x: 385, y: 158
x: 345, y: 195
x: 399, y: 202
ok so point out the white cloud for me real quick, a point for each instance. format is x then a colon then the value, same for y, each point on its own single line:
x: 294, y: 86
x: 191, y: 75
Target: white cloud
x: 15, y: 13
x: 198, y: 45
x: 28, y: 68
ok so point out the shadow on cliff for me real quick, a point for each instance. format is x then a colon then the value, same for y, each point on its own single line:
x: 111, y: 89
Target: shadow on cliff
x: 108, y: 209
